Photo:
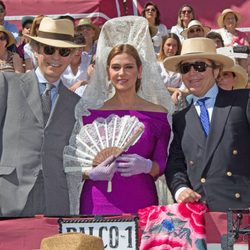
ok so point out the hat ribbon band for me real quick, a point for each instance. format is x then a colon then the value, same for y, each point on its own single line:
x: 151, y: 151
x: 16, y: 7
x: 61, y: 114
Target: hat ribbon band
x: 55, y: 36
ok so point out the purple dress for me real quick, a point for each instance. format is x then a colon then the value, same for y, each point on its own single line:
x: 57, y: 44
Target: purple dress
x: 138, y: 191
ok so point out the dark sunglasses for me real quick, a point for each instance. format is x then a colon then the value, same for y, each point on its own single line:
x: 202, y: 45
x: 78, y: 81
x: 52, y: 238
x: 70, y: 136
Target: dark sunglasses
x: 3, y: 38
x: 198, y: 66
x: 186, y: 11
x: 150, y: 9
x: 50, y: 50
x: 197, y: 30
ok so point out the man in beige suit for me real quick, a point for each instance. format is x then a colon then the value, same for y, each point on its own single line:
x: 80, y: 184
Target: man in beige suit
x: 32, y: 180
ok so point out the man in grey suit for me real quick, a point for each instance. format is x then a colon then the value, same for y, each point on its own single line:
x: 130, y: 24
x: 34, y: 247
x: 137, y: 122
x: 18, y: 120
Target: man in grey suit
x: 37, y: 118
x: 209, y: 158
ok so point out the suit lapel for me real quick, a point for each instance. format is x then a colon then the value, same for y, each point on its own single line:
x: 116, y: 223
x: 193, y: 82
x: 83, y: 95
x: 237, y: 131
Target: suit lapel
x: 222, y: 107
x: 194, y: 128
x: 29, y: 87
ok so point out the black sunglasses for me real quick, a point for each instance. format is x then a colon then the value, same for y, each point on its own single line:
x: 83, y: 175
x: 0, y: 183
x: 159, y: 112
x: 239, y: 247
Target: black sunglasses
x: 50, y: 50
x: 197, y: 30
x: 3, y: 38
x: 198, y: 66
x: 150, y: 9
x: 186, y: 11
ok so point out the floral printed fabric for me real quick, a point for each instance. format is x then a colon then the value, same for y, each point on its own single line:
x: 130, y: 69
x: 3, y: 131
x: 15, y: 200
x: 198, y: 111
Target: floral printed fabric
x: 178, y: 226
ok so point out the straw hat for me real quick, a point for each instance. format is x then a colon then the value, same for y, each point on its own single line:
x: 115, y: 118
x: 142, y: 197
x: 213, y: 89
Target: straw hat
x: 221, y: 17
x: 57, y: 33
x: 241, y: 76
x: 72, y: 241
x: 200, y: 48
x: 193, y: 23
x: 11, y: 38
x: 88, y: 22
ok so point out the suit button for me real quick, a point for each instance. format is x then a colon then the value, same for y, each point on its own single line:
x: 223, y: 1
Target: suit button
x: 237, y: 195
x: 235, y: 152
x: 229, y: 173
x: 191, y: 163
x: 203, y: 180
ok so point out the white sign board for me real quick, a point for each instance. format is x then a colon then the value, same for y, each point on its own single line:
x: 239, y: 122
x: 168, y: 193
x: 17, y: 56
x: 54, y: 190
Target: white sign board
x: 116, y: 233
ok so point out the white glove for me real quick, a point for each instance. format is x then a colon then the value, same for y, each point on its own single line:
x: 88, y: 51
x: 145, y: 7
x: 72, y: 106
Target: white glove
x: 132, y: 164
x: 104, y: 171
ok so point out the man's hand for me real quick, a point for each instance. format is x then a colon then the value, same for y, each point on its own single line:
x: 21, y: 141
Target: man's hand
x: 188, y: 195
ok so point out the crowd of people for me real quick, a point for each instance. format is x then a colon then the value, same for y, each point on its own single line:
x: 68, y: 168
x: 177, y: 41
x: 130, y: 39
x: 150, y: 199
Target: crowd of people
x: 60, y: 77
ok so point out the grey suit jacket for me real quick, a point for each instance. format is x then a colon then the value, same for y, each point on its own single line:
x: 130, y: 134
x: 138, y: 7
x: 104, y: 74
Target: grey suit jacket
x: 26, y: 146
x: 217, y: 167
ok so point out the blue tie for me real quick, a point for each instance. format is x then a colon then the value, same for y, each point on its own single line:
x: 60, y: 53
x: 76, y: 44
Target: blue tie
x: 204, y: 117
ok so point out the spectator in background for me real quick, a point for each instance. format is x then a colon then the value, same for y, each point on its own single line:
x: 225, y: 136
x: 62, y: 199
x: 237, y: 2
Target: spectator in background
x: 75, y: 76
x: 152, y: 14
x: 185, y: 15
x: 195, y: 29
x: 171, y: 46
x: 217, y: 38
x: 29, y: 56
x: 229, y: 20
x: 26, y: 26
x: 9, y: 60
x: 8, y: 26
x: 232, y: 78
x: 90, y: 33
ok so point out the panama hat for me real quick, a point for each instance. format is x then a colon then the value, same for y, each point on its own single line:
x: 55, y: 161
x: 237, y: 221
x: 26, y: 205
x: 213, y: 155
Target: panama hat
x: 57, y: 33
x: 241, y: 76
x: 193, y: 23
x: 200, y: 48
x: 221, y: 17
x: 72, y: 241
x: 11, y: 38
x: 88, y: 22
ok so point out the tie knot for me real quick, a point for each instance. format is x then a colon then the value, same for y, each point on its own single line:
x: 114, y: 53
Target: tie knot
x: 49, y: 86
x: 202, y: 100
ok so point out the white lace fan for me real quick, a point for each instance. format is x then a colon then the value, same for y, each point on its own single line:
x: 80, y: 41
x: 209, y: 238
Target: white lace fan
x: 97, y: 141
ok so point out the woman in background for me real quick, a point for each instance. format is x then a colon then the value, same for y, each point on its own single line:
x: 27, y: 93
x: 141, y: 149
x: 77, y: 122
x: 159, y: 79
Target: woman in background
x: 9, y: 61
x: 29, y: 56
x: 152, y: 14
x: 185, y: 15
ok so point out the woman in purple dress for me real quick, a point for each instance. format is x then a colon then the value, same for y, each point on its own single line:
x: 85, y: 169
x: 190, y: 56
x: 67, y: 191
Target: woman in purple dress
x: 134, y: 173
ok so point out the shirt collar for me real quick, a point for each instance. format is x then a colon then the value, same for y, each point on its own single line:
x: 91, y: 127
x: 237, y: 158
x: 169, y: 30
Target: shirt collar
x: 41, y: 78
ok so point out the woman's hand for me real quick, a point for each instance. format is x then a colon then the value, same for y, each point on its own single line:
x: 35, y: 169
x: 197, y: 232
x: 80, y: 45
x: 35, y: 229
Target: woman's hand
x: 104, y: 171
x: 78, y: 84
x: 132, y: 164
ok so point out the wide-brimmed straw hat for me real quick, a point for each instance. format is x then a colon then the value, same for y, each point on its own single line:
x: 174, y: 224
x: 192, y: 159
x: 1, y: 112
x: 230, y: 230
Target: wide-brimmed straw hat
x: 56, y: 33
x: 88, y: 22
x: 193, y: 23
x: 241, y: 76
x: 11, y: 38
x: 72, y: 241
x: 197, y: 48
x: 221, y: 17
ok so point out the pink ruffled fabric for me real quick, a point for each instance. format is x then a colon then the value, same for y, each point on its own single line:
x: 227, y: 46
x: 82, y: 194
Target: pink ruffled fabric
x: 177, y: 226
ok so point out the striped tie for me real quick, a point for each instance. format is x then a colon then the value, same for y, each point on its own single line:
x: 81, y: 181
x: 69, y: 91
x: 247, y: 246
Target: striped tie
x: 204, y: 117
x: 46, y: 102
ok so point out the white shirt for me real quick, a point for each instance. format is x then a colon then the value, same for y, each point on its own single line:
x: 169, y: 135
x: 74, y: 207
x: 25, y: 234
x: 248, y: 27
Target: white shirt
x: 69, y: 79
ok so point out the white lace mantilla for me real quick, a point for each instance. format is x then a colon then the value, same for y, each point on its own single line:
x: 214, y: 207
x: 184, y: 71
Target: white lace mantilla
x: 132, y: 30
